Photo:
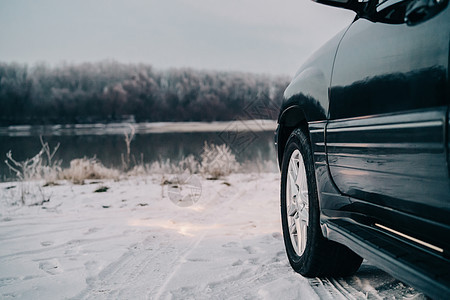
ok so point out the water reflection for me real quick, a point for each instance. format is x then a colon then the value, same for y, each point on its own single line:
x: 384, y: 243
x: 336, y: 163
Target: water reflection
x: 148, y: 146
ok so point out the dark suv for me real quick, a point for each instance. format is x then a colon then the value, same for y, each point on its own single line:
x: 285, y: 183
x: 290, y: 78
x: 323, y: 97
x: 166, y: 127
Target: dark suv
x: 363, y: 147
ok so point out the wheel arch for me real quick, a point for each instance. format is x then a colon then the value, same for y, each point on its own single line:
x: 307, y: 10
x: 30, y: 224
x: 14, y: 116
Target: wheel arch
x: 290, y: 119
x: 300, y: 110
x: 307, y: 96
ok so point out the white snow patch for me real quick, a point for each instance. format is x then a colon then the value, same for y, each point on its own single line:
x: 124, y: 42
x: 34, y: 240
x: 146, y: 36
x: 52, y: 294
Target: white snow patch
x: 132, y: 242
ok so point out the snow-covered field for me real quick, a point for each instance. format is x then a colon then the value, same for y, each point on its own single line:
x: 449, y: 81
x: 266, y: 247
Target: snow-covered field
x: 133, y: 242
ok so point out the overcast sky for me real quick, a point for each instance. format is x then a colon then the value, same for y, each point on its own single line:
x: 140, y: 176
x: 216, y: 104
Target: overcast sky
x: 261, y: 36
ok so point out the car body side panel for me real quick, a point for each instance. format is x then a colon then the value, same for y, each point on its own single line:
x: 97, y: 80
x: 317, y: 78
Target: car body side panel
x: 330, y: 198
x: 385, y: 68
x: 398, y: 162
x: 386, y: 137
x: 309, y: 88
x: 306, y: 97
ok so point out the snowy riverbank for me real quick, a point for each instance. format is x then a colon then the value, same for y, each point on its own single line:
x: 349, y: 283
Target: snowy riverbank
x: 132, y: 242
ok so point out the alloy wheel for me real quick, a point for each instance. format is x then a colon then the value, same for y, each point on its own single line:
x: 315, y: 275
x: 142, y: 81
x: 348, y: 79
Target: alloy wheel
x: 297, y: 202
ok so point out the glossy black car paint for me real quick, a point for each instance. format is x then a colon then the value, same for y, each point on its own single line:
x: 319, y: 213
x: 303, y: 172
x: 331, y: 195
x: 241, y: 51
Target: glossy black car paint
x: 375, y: 101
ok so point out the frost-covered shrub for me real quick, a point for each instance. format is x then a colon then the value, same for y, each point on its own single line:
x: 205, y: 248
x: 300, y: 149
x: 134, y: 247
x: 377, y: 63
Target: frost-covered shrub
x: 161, y: 167
x: 50, y: 168
x: 126, y: 158
x: 218, y: 161
x: 42, y: 166
x: 188, y: 164
x: 27, y: 169
x: 139, y: 170
x: 82, y: 169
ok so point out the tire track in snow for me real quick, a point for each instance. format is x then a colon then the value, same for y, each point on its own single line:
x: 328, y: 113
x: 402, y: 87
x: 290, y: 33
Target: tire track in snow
x: 261, y: 272
x: 368, y: 283
x: 325, y: 289
x: 132, y: 274
x: 239, y: 277
x: 348, y: 290
x: 65, y: 245
x: 126, y: 277
x: 180, y: 261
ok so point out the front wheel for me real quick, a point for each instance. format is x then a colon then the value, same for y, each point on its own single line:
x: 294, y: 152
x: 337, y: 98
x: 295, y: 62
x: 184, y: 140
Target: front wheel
x: 309, y: 253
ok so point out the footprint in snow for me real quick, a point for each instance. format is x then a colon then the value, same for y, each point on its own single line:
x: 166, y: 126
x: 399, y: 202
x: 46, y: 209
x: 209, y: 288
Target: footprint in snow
x: 278, y: 257
x: 250, y: 250
x: 230, y: 245
x: 46, y: 243
x: 90, y: 265
x: 253, y: 261
x: 277, y: 235
x: 92, y: 230
x: 51, y: 266
x: 197, y: 260
x: 7, y: 280
x: 237, y: 263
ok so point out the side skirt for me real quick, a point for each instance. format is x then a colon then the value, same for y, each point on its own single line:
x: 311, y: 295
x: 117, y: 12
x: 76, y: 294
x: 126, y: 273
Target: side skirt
x: 425, y: 269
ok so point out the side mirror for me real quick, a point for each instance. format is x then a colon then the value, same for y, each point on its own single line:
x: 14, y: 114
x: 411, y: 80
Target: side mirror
x: 357, y: 6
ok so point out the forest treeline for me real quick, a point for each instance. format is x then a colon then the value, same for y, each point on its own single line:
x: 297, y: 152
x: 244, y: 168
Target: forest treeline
x: 110, y: 91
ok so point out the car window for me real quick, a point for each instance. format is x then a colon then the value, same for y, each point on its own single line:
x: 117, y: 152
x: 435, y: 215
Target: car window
x: 405, y: 11
x: 391, y: 11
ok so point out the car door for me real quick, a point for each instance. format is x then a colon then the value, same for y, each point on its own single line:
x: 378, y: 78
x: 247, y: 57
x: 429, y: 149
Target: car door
x: 387, y: 134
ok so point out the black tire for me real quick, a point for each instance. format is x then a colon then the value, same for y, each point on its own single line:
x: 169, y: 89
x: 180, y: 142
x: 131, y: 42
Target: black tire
x: 320, y: 257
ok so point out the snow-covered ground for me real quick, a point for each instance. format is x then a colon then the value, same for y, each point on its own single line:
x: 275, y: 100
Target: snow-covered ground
x: 133, y: 242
